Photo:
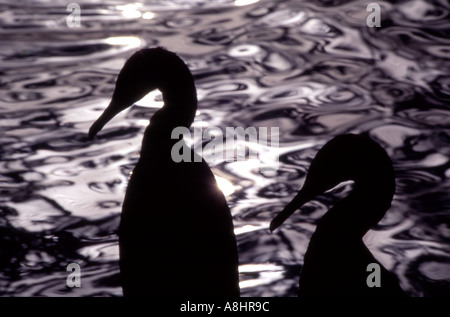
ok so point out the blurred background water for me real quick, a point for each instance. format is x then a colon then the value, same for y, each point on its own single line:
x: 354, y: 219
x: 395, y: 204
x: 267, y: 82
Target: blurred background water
x: 312, y: 68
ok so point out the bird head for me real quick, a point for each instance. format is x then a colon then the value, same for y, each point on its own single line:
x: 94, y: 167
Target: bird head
x: 348, y: 157
x: 144, y: 71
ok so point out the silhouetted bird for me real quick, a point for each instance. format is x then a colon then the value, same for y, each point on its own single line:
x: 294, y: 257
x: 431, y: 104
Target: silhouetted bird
x: 176, y: 233
x: 337, y: 259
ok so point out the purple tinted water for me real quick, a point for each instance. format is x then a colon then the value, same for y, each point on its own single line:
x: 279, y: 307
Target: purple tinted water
x: 312, y: 68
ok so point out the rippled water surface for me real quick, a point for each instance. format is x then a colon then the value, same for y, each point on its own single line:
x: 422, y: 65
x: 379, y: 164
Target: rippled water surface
x: 312, y: 68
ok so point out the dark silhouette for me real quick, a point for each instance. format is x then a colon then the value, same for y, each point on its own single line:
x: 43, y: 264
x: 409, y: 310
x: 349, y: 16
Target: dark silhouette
x: 176, y: 233
x: 336, y: 260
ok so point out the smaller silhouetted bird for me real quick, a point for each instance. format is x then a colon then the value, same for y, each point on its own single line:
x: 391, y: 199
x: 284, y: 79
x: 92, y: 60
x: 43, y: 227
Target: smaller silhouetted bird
x: 336, y: 261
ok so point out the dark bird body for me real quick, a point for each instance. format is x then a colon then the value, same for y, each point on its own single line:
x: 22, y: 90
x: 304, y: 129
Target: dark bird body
x: 336, y: 261
x: 176, y: 233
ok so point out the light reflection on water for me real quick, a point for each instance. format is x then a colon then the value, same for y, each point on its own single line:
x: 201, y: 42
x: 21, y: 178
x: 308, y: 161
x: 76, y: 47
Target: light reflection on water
x: 311, y: 69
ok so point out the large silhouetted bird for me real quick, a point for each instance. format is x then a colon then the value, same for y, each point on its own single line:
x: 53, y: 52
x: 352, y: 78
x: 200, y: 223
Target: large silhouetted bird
x: 176, y: 233
x: 336, y: 262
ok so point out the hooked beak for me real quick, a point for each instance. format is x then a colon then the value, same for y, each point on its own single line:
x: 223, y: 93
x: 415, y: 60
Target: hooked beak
x: 110, y: 112
x: 302, y: 198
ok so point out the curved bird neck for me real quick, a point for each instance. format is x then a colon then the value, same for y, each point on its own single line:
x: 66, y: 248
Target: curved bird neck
x: 354, y: 215
x: 180, y: 106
